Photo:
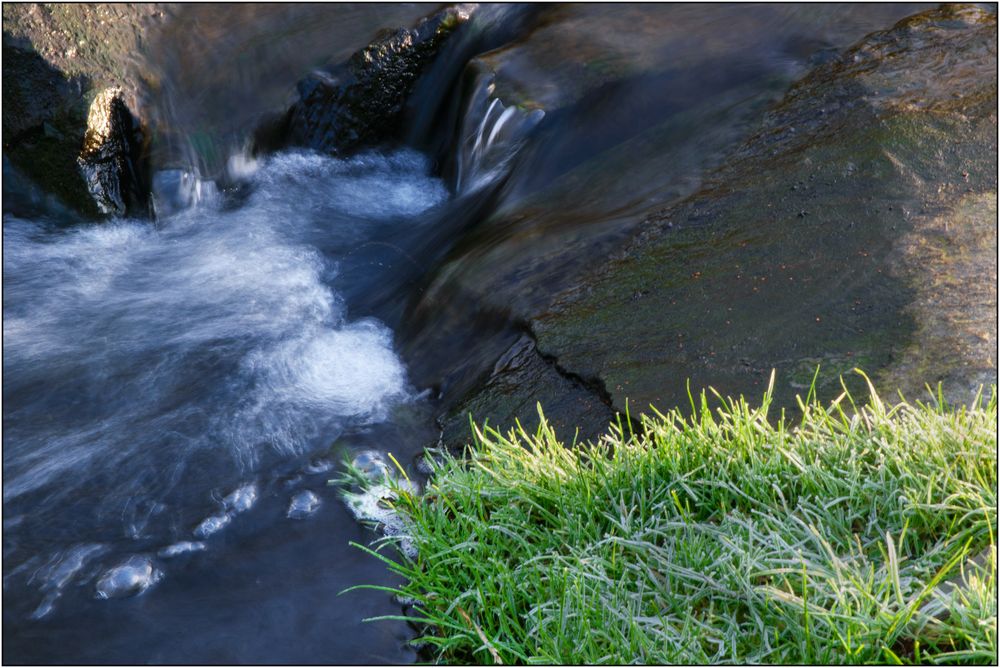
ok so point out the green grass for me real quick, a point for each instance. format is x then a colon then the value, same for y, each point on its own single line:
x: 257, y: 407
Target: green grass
x: 725, y: 536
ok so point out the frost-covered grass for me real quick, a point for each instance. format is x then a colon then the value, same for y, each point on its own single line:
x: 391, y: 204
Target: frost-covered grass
x: 726, y: 536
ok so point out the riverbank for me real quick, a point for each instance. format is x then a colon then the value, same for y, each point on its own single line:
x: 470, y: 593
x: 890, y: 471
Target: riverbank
x: 727, y: 534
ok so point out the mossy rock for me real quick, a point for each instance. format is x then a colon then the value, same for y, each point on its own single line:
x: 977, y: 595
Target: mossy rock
x: 821, y: 243
x: 57, y: 58
x: 855, y: 228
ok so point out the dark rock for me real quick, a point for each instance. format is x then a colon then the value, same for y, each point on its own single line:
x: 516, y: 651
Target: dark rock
x: 360, y: 103
x: 34, y: 92
x: 519, y: 382
x: 57, y: 56
x: 50, y: 131
x: 112, y: 159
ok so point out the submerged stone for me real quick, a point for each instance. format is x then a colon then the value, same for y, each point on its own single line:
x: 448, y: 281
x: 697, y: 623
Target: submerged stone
x: 131, y: 577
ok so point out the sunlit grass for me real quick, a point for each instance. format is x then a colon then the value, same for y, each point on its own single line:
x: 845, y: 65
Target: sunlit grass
x: 726, y: 536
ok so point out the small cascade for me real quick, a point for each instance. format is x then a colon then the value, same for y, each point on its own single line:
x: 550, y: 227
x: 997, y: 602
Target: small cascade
x: 436, y: 109
x: 489, y: 137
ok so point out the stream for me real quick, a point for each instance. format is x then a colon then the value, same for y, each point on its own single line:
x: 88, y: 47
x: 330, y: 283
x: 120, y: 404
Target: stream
x: 177, y: 394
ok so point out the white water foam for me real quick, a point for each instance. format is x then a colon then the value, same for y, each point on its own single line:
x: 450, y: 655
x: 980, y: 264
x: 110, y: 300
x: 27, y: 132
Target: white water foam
x: 147, y: 364
x: 373, y: 504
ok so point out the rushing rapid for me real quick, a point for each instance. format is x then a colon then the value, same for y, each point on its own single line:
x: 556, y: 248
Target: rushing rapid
x: 151, y: 372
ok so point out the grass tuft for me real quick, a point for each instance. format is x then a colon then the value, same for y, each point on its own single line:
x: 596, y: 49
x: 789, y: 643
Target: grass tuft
x: 861, y: 534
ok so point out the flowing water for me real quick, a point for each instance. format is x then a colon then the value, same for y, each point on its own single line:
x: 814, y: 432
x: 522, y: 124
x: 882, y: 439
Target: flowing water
x: 177, y: 394
x: 152, y: 371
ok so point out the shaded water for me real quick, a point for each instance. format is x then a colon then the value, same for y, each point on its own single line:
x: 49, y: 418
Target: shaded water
x: 172, y: 390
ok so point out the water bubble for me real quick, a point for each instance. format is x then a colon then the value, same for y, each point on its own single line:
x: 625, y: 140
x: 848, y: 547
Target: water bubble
x: 241, y: 499
x: 303, y: 505
x: 59, y: 572
x: 47, y: 605
x: 62, y: 569
x: 182, y: 547
x: 211, y: 525
x: 133, y: 576
x: 372, y: 464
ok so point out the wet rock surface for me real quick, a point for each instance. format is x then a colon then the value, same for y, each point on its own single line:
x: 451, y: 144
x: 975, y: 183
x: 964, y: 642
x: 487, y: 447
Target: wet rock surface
x: 605, y: 75
x: 360, y: 103
x: 97, y: 41
x: 816, y: 242
x: 44, y: 120
x: 519, y: 382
